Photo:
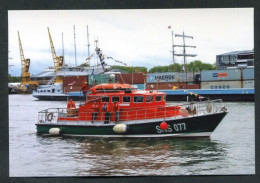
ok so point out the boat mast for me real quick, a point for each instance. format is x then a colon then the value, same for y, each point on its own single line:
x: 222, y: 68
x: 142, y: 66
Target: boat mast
x: 62, y: 49
x: 88, y: 44
x: 184, y: 49
x: 88, y: 41
x: 75, y: 46
x: 100, y: 56
x: 96, y: 45
x: 173, y: 49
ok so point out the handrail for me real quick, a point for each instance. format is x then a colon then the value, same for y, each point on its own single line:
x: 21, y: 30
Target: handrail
x: 187, y: 109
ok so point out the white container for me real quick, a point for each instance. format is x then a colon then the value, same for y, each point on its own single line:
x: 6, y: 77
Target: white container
x: 220, y: 84
x: 249, y: 84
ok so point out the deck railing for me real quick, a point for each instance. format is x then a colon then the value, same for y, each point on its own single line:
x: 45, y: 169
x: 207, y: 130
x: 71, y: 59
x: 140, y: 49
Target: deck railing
x: 168, y: 111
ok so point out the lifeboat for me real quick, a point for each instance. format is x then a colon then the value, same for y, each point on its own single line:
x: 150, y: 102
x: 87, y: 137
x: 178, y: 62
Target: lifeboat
x: 119, y: 110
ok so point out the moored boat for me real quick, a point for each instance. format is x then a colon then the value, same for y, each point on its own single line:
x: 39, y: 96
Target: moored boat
x: 50, y: 92
x: 118, y: 110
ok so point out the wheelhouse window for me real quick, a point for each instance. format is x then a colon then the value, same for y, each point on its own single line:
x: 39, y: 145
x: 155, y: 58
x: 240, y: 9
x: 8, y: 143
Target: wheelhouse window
x: 105, y: 99
x: 126, y: 99
x: 158, y: 98
x: 138, y: 98
x: 115, y: 99
x: 164, y: 97
x: 149, y: 99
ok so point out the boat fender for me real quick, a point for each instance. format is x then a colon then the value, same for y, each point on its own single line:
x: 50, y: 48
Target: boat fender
x: 163, y: 125
x: 50, y: 116
x: 120, y: 128
x: 54, y: 131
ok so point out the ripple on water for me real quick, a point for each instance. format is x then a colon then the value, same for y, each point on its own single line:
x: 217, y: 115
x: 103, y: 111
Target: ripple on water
x: 225, y: 152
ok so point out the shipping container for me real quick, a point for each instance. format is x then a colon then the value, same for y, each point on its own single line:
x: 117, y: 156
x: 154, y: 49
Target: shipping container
x: 131, y: 78
x: 165, y: 77
x: 139, y: 86
x: 197, y: 78
x: 220, y: 84
x: 221, y: 75
x: 170, y: 86
x: 67, y: 89
x: 248, y: 74
x: 249, y: 84
x: 74, y: 80
x: 164, y: 86
x: 100, y: 78
x: 186, y: 77
x: 189, y: 86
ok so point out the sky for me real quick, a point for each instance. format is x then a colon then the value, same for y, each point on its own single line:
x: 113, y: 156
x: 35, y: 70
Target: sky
x: 134, y: 37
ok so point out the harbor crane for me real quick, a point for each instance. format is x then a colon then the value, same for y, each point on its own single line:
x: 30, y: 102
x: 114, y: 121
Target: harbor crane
x: 57, y: 60
x: 26, y: 84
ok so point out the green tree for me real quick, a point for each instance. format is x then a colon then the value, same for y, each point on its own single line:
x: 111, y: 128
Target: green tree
x: 130, y: 69
x: 14, y: 78
x: 175, y: 67
x: 197, y: 65
x: 170, y: 68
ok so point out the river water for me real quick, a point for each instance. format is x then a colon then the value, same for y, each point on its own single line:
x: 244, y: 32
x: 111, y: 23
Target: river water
x: 230, y: 150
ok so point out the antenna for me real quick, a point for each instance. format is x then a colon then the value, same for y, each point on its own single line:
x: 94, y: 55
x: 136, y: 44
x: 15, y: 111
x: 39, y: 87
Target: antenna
x: 184, y: 48
x: 96, y: 42
x: 96, y: 45
x: 75, y: 46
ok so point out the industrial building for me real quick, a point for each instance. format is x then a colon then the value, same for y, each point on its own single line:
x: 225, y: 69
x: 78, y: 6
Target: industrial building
x: 235, y: 59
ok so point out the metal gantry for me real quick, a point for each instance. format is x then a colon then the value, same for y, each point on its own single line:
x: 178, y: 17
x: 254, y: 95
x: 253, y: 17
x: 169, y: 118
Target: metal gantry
x: 57, y: 60
x: 25, y: 80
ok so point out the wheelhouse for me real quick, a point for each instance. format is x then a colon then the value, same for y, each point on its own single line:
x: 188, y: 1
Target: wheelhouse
x: 134, y: 99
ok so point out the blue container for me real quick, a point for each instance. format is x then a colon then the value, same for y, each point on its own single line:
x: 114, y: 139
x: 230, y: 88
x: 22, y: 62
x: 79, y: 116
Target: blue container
x: 165, y: 77
x: 248, y: 74
x: 139, y: 86
x: 221, y: 75
x: 100, y: 78
x: 186, y: 76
